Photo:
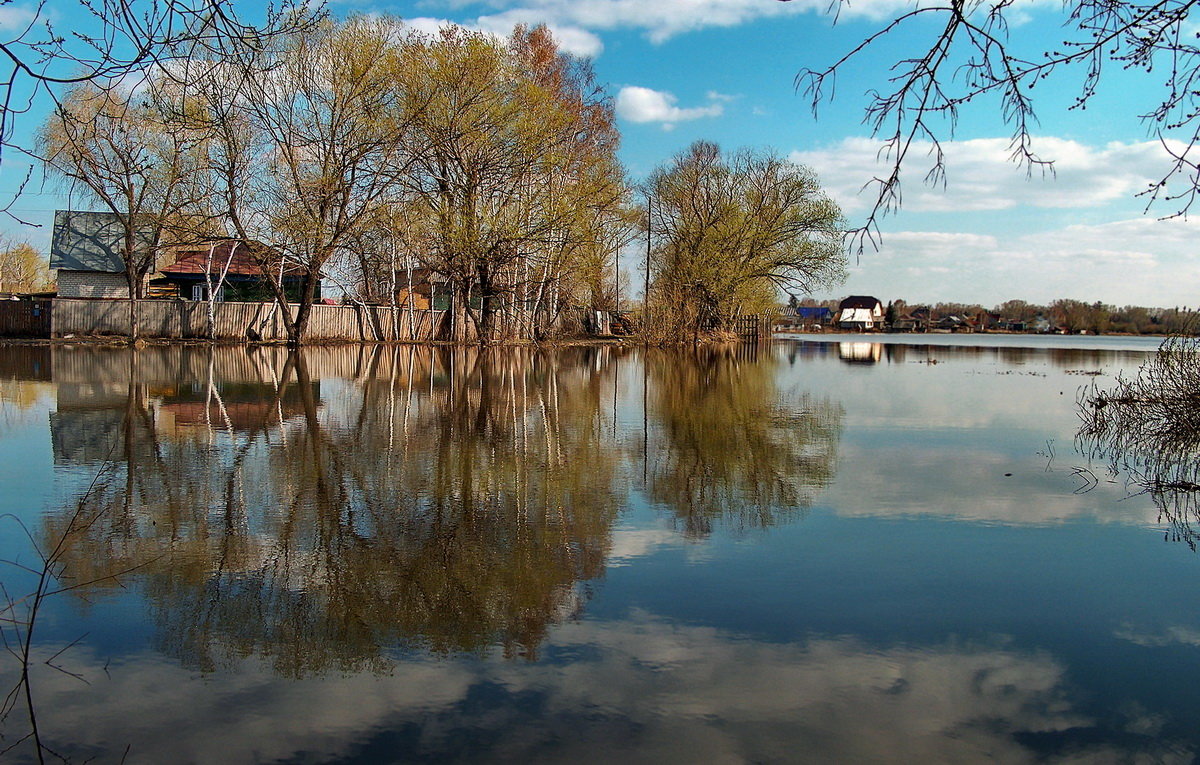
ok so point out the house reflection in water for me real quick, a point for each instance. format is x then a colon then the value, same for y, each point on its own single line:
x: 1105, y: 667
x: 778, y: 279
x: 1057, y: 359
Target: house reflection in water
x: 860, y: 353
x: 243, y: 406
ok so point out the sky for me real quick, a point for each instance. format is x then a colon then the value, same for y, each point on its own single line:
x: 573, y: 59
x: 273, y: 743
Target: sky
x: 725, y: 71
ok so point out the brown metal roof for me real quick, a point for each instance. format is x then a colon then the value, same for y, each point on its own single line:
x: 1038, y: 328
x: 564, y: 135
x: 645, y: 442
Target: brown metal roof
x: 193, y: 259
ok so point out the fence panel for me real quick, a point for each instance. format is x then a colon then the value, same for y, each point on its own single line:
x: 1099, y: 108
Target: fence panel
x: 181, y: 319
x: 24, y: 318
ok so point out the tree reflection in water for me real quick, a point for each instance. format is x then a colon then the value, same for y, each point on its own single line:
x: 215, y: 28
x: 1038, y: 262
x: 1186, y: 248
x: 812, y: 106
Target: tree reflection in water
x: 1148, y: 429
x: 731, y: 447
x: 439, y: 501
x: 321, y: 509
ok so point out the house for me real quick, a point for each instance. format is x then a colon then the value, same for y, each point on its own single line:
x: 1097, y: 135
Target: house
x: 245, y: 281
x: 860, y: 312
x: 430, y: 290
x: 85, y: 251
x: 952, y: 323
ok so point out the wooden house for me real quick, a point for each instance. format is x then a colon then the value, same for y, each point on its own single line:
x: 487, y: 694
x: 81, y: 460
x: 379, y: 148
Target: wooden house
x: 244, y: 264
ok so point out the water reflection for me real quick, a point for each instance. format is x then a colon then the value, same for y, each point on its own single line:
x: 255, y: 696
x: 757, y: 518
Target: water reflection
x: 731, y: 447
x: 1146, y: 428
x: 438, y: 501
x: 860, y: 353
x: 629, y: 695
x: 331, y: 555
x: 318, y: 509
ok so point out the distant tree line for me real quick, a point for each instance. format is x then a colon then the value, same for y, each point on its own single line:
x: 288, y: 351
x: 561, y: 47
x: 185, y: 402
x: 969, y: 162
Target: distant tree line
x: 1073, y: 316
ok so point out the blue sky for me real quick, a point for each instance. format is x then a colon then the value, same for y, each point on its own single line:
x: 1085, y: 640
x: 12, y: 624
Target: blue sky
x: 723, y: 70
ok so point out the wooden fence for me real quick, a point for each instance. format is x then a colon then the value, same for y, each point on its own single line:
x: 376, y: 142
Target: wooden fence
x: 180, y: 319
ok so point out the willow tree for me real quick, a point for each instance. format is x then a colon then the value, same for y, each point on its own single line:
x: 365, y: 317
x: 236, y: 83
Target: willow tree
x: 728, y: 233
x: 516, y: 150
x: 118, y: 150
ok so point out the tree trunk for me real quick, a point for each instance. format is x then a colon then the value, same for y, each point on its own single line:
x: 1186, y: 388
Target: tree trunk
x: 135, y: 290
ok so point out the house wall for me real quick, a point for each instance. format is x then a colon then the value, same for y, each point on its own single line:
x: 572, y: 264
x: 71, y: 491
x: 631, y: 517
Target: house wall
x: 179, y: 319
x: 859, y: 316
x: 92, y: 284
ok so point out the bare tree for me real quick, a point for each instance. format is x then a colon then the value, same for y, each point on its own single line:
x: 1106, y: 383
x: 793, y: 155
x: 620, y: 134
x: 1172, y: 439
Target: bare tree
x: 969, y: 55
x: 306, y: 144
x: 131, y: 39
x: 118, y: 150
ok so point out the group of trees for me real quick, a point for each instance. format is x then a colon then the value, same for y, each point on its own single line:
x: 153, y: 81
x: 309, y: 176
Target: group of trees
x: 1073, y: 315
x: 360, y: 150
x: 363, y: 151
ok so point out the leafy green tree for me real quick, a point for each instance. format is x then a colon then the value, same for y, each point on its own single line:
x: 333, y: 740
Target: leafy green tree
x: 730, y: 233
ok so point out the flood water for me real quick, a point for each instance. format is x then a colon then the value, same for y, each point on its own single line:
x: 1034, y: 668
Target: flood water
x: 828, y: 549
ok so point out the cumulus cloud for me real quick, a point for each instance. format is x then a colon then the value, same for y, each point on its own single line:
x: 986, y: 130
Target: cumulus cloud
x: 637, y: 104
x: 982, y: 176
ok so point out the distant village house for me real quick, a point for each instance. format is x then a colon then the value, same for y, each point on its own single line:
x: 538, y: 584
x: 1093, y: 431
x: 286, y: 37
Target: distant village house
x: 860, y: 313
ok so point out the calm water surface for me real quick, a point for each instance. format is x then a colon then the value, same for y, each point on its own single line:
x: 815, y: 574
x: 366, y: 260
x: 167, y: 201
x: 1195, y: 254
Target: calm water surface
x: 831, y: 549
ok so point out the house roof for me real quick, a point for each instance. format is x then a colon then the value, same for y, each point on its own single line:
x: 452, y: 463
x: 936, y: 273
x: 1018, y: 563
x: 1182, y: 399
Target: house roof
x: 193, y: 260
x: 859, y: 301
x: 92, y: 241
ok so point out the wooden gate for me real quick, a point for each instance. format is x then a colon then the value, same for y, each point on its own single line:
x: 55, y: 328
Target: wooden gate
x: 753, y: 328
x: 25, y: 318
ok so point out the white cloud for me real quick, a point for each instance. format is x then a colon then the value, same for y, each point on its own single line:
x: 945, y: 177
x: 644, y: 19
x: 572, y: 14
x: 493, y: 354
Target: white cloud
x: 15, y: 18
x: 664, y: 19
x: 1139, y: 261
x: 982, y: 176
x: 637, y: 104
x: 1112, y: 257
